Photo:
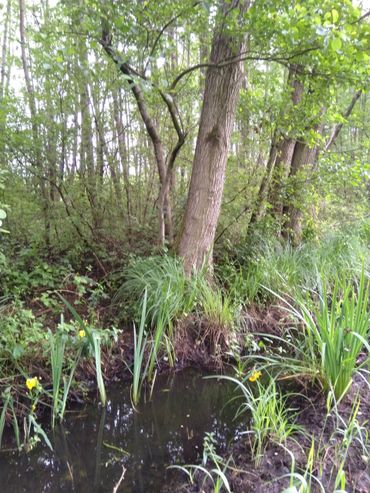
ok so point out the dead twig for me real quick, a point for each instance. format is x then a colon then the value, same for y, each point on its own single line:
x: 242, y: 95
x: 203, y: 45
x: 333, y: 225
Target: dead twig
x: 115, y: 489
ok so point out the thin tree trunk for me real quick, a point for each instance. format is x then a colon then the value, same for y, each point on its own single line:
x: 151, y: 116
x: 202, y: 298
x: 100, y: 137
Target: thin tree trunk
x: 337, y: 128
x: 292, y: 211
x: 306, y: 158
x: 122, y: 151
x: 280, y: 157
x: 34, y: 126
x: 87, y: 158
x: 265, y: 183
x: 75, y: 142
x: 165, y: 165
x: 4, y: 49
x: 63, y: 144
x: 3, y: 80
x: 280, y: 174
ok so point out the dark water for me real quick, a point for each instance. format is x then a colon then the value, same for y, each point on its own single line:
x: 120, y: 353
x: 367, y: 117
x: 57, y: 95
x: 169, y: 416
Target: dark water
x: 169, y: 429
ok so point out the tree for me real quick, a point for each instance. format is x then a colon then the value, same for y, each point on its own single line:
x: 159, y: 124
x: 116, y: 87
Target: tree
x: 165, y: 161
x: 221, y: 93
x: 38, y: 164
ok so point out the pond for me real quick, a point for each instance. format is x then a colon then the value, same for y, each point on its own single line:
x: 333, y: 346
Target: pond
x: 94, y: 446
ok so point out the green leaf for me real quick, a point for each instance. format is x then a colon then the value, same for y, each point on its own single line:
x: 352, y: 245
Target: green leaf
x: 17, y: 351
x: 39, y: 431
x: 336, y: 44
x: 2, y: 214
x: 334, y: 15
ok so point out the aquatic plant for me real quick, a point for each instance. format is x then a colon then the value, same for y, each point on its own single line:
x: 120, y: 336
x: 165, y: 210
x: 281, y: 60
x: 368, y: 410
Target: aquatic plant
x: 168, y: 295
x: 94, y: 343
x: 96, y: 340
x: 6, y: 398
x: 140, y: 342
x: 336, y: 445
x: 57, y: 358
x: 217, y: 307
x: 337, y: 330
x: 329, y: 336
x: 32, y: 383
x: 255, y: 376
x: 270, y: 418
x: 301, y: 481
x: 217, y: 473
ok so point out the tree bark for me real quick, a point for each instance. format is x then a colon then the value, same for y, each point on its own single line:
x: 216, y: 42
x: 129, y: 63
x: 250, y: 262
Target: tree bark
x: 221, y: 95
x: 280, y: 174
x: 303, y: 156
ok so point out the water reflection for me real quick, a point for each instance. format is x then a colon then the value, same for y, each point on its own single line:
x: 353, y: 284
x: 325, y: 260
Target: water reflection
x: 93, y: 447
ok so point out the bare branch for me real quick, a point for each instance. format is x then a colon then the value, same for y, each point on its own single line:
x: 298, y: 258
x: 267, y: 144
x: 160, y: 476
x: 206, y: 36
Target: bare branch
x: 338, y: 127
x: 161, y: 32
x: 240, y: 58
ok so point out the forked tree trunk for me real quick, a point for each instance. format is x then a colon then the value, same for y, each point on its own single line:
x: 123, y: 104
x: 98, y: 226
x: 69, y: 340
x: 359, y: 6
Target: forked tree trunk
x: 221, y: 95
x: 165, y: 165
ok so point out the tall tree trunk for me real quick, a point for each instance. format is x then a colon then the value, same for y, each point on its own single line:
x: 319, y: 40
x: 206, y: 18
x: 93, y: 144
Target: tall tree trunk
x: 34, y: 126
x: 164, y: 204
x: 119, y: 133
x: 259, y: 208
x: 280, y: 175
x: 221, y: 95
x: 75, y: 140
x: 4, y: 49
x: 87, y: 158
x: 51, y: 148
x: 4, y: 68
x: 63, y: 143
x: 303, y: 156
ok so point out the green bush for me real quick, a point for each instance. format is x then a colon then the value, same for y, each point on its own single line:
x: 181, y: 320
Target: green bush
x: 21, y: 334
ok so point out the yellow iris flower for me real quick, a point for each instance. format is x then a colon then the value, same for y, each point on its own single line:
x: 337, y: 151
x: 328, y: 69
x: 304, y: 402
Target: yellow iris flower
x: 32, y: 383
x: 81, y: 333
x: 255, y: 376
